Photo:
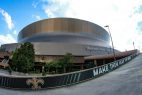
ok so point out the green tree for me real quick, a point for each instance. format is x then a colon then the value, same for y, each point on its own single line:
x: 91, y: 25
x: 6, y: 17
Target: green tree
x: 53, y: 64
x: 23, y: 58
x: 67, y: 61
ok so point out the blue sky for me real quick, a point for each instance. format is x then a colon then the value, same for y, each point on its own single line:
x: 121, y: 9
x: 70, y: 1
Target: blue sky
x: 123, y: 16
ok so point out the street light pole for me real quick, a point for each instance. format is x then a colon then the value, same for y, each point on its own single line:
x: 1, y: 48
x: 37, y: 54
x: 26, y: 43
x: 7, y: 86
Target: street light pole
x: 111, y: 42
x: 134, y: 45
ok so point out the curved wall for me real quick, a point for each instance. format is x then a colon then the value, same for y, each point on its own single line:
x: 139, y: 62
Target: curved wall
x: 43, y: 48
x: 66, y: 30
x: 57, y: 36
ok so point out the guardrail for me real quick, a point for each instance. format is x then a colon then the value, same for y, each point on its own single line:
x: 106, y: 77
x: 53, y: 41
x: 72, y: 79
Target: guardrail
x: 59, y: 80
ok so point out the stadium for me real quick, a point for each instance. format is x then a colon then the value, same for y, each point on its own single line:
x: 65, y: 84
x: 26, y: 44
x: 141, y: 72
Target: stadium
x: 52, y: 38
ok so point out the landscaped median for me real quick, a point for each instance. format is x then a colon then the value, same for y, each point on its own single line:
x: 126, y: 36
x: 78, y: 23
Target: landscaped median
x: 59, y: 80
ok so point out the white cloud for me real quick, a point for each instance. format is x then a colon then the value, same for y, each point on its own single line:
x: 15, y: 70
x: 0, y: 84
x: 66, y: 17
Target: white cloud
x: 7, y: 39
x: 37, y: 17
x: 35, y: 4
x: 7, y: 19
x: 120, y: 15
x: 15, y: 32
x: 55, y: 7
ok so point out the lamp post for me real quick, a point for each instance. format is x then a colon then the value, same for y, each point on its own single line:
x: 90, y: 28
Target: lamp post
x: 134, y: 45
x: 111, y: 42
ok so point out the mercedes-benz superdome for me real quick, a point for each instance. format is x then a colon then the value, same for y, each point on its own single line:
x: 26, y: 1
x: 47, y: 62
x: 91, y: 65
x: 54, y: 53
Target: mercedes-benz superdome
x: 65, y: 30
x: 57, y: 36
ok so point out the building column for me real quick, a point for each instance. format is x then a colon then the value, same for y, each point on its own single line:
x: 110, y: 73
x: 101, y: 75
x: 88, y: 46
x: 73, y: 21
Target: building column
x: 81, y: 67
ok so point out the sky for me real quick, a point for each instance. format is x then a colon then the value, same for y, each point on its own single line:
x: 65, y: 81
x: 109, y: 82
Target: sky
x: 124, y: 17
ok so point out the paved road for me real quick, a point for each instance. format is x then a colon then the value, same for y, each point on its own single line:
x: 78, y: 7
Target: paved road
x: 127, y: 80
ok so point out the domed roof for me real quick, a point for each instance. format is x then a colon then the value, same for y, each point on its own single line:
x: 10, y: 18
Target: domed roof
x: 63, y: 30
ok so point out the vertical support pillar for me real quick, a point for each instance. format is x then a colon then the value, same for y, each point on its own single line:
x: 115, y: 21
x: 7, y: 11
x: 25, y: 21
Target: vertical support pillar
x: 81, y: 66
x: 95, y: 63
